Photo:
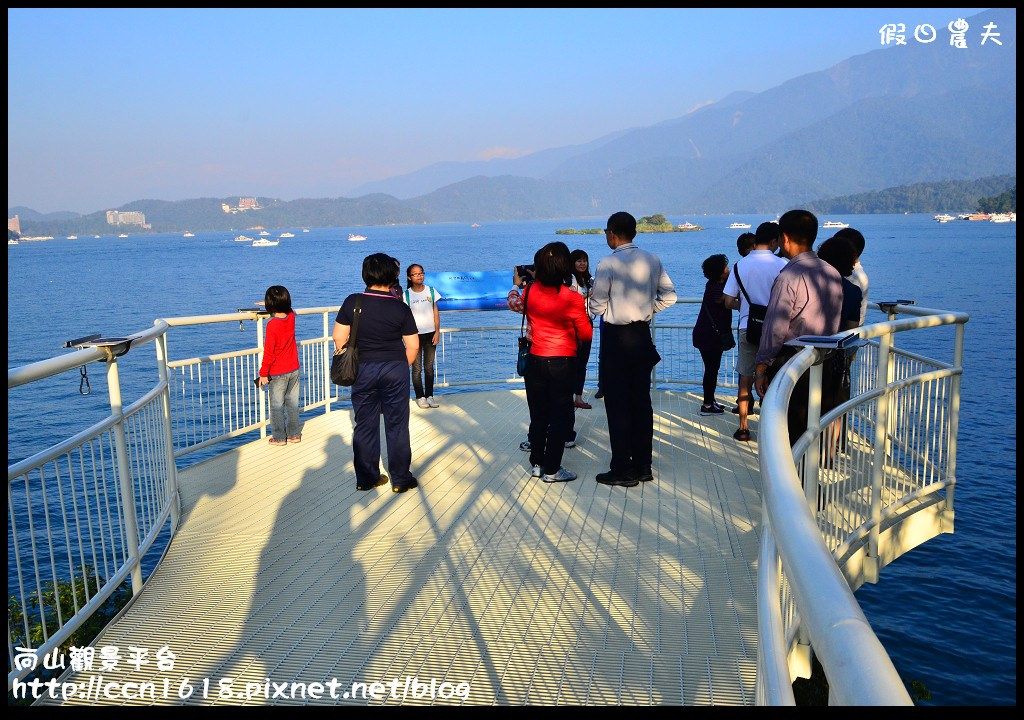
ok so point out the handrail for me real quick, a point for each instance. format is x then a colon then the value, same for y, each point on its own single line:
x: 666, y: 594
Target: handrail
x: 826, y: 615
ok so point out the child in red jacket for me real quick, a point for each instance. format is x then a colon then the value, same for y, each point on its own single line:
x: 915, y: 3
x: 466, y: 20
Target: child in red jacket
x: 280, y: 368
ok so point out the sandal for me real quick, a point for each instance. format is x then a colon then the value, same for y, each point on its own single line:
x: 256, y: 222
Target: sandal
x: 742, y: 434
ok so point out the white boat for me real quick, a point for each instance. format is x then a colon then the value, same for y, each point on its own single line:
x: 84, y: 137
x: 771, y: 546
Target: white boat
x: 356, y: 238
x: 189, y: 234
x: 123, y: 235
x: 12, y: 241
x: 243, y: 238
x: 305, y: 229
x: 287, y: 234
x: 95, y: 236
x: 686, y: 226
x: 264, y: 232
x: 835, y: 224
x: 1003, y: 218
x: 943, y: 217
x: 72, y: 237
x: 739, y: 226
x: 263, y: 242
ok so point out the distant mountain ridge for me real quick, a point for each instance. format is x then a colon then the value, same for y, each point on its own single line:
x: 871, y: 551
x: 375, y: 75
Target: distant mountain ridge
x: 891, y: 117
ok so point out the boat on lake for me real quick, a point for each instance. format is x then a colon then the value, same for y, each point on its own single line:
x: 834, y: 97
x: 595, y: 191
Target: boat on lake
x: 189, y: 234
x: 356, y: 238
x: 123, y: 235
x: 689, y: 227
x: 12, y: 241
x: 1003, y: 217
x: 835, y: 224
x: 979, y: 216
x: 72, y: 237
x: 739, y: 226
x: 264, y: 232
x: 287, y: 234
x: 244, y: 238
x: 305, y: 229
x: 943, y: 217
x: 263, y: 242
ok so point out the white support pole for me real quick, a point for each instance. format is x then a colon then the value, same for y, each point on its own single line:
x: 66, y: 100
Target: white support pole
x: 327, y: 354
x: 127, y: 485
x: 261, y: 398
x: 884, y: 370
x: 165, y: 405
x: 947, y: 515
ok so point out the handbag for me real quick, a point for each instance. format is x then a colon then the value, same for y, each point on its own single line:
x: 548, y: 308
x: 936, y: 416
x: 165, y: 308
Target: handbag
x: 724, y: 337
x: 345, y: 363
x: 524, y: 342
x: 755, y: 313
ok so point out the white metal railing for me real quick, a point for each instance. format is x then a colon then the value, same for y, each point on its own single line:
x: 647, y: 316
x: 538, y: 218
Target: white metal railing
x: 833, y: 503
x: 82, y: 514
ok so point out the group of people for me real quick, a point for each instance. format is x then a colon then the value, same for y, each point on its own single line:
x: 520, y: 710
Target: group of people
x: 391, y: 335
x: 779, y: 297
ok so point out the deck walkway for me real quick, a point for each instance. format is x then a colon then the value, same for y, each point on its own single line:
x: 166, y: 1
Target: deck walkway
x: 532, y: 593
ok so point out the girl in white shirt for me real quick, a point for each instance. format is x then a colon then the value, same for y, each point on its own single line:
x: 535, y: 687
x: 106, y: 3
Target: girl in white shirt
x: 422, y: 300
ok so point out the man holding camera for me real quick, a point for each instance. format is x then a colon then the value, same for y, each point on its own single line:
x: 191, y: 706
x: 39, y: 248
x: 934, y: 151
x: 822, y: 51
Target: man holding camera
x: 630, y: 285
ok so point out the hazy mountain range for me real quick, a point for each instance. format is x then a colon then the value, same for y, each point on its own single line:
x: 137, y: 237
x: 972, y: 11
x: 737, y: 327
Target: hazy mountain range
x: 894, y: 116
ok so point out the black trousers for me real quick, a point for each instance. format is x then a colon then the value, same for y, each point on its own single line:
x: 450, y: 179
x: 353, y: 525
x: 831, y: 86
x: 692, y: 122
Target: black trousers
x: 381, y: 388
x: 627, y: 356
x: 549, y: 386
x: 712, y: 363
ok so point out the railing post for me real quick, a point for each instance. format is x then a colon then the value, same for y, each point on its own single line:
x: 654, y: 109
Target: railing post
x: 129, y: 518
x: 327, y: 365
x: 947, y: 515
x: 884, y: 374
x: 261, y: 397
x: 811, y: 456
x: 165, y: 397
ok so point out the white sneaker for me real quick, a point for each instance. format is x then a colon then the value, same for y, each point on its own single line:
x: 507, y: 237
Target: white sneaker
x: 537, y: 471
x: 422, y: 402
x: 432, y: 402
x: 570, y: 443
x: 562, y: 475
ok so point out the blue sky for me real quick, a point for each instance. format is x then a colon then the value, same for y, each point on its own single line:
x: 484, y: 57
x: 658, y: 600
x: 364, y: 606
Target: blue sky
x: 109, y: 106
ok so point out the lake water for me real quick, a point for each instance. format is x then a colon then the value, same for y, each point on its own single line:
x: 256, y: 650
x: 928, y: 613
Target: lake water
x: 946, y: 611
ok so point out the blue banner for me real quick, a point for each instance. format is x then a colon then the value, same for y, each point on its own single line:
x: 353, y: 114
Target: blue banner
x: 471, y: 290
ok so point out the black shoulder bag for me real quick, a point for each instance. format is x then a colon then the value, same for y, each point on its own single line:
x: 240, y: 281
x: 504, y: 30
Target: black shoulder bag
x: 726, y: 338
x: 524, y: 343
x: 345, y: 363
x: 755, y: 313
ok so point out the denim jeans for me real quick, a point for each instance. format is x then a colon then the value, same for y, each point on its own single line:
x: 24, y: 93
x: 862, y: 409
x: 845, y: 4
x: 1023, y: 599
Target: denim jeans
x: 424, y: 364
x: 284, y: 405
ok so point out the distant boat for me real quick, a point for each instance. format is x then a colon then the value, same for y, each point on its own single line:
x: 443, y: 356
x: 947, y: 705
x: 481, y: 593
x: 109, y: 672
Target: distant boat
x: 287, y: 234
x: 188, y: 234
x: 979, y: 216
x: 688, y: 227
x: 1003, y: 217
x: 263, y: 242
x: 243, y: 238
x: 305, y: 229
x: 123, y: 235
x: 72, y: 237
x: 739, y: 226
x: 475, y: 225
x: 95, y: 236
x: 12, y: 241
x: 264, y: 232
x: 943, y: 217
x: 835, y: 224
x: 356, y: 238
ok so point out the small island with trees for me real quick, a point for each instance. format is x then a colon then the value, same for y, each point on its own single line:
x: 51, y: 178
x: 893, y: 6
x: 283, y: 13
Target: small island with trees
x: 648, y: 224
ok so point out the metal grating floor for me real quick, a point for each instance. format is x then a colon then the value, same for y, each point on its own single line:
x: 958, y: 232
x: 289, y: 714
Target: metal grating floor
x: 570, y: 593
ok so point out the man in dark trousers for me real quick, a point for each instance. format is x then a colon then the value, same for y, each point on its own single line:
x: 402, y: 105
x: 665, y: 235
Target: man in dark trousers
x: 630, y: 285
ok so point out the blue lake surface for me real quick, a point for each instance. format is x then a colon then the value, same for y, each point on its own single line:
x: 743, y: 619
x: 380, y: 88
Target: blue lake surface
x: 946, y: 611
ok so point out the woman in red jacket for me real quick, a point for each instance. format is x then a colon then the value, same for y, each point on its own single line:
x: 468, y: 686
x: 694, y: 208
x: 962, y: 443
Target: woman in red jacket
x: 558, y: 322
x: 280, y: 368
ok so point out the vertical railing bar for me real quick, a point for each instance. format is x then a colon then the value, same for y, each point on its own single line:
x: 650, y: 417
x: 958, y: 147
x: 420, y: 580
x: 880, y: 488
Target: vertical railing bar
x: 17, y: 557
x: 88, y: 520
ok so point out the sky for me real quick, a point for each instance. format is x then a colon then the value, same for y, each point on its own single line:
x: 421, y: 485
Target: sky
x: 107, y: 106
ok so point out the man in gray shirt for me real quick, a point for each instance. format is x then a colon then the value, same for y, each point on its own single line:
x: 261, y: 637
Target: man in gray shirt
x: 630, y: 285
x: 806, y: 299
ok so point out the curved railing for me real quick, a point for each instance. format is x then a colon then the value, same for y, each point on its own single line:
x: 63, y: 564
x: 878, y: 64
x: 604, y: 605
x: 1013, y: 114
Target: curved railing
x: 84, y: 513
x: 865, y: 483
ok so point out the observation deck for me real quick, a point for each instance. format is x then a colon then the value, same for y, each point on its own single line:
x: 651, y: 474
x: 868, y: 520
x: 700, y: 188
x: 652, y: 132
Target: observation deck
x: 571, y: 593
